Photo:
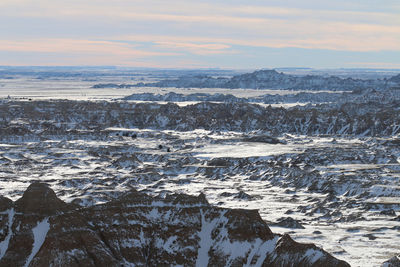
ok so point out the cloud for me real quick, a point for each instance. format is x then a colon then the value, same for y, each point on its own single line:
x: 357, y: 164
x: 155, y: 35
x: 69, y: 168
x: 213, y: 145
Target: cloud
x: 77, y: 52
x: 268, y: 26
x: 361, y: 40
x: 49, y: 45
x: 123, y: 30
x: 195, y: 48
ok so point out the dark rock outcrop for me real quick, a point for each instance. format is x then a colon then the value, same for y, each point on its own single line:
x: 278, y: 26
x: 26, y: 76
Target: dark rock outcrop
x: 5, y: 203
x: 289, y: 223
x: 392, y: 262
x: 378, y: 119
x: 140, y: 230
x: 40, y: 199
x: 262, y: 139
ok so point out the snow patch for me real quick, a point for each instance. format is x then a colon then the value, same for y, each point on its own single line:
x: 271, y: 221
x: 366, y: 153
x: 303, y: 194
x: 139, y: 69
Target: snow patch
x: 6, y: 241
x: 266, y: 248
x: 206, y: 240
x: 39, y: 235
x: 313, y: 255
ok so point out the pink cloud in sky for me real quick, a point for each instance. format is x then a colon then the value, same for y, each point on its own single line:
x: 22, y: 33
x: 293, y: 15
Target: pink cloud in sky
x: 77, y: 46
x: 195, y: 48
x: 125, y: 31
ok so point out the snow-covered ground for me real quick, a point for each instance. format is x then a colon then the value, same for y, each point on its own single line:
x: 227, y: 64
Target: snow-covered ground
x: 232, y: 173
x: 81, y: 89
x: 343, y: 189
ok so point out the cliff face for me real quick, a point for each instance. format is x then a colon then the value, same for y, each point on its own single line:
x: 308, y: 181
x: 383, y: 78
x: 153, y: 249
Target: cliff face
x: 138, y: 230
x: 38, y: 118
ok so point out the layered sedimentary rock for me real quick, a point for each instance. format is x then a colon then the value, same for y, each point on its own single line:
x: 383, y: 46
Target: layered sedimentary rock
x: 138, y: 230
x: 42, y: 118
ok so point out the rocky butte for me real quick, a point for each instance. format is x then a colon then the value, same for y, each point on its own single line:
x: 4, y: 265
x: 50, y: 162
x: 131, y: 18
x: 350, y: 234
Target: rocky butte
x: 39, y: 229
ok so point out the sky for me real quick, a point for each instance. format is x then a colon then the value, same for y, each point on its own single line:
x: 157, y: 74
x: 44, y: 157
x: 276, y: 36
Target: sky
x: 228, y: 34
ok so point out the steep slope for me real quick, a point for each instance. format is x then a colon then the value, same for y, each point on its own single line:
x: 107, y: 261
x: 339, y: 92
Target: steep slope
x: 23, y: 120
x: 392, y: 262
x: 139, y: 230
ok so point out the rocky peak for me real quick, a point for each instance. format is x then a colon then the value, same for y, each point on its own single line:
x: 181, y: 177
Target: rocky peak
x: 262, y: 74
x: 40, y: 198
x: 289, y: 251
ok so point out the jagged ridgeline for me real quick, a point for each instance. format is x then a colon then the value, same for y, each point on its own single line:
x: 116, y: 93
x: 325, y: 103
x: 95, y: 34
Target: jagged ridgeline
x: 332, y: 165
x: 347, y: 119
x: 267, y: 79
x: 39, y: 229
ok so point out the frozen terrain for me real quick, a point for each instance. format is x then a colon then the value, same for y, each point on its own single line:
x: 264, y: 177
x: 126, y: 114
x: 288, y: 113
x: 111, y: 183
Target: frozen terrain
x: 326, y: 174
x: 139, y: 230
x: 267, y: 79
